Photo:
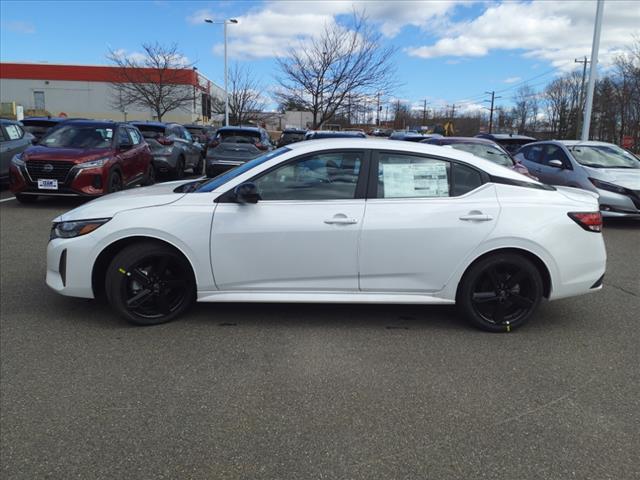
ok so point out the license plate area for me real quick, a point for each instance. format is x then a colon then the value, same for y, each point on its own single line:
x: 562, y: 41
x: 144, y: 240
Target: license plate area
x: 47, y: 184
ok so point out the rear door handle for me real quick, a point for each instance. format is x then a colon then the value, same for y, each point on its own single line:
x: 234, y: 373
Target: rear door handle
x: 341, y: 219
x: 476, y: 217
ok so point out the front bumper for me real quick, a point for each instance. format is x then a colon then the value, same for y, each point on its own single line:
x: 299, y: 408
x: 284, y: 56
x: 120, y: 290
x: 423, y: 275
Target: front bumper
x: 86, y: 182
x: 614, y: 204
x: 68, y: 271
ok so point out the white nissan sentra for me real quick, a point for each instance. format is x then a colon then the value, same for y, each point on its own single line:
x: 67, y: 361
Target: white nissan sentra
x: 338, y: 221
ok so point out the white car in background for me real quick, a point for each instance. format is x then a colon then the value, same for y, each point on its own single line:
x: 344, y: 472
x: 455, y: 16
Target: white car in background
x: 339, y: 221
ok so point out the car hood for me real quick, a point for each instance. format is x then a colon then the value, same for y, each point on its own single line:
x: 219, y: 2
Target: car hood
x: 75, y: 155
x: 623, y: 177
x: 110, y: 205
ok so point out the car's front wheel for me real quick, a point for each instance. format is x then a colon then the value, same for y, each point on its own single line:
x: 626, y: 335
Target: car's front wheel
x: 500, y: 292
x: 149, y: 283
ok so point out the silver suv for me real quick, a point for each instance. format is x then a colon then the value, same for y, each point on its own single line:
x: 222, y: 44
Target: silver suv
x: 13, y: 140
x: 604, y: 168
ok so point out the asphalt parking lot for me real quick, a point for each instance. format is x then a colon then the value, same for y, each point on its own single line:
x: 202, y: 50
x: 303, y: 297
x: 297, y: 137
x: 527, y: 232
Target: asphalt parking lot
x: 313, y: 391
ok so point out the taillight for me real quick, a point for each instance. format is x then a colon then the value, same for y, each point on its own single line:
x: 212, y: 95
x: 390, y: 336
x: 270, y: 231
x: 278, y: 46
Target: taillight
x: 164, y: 141
x: 590, y: 221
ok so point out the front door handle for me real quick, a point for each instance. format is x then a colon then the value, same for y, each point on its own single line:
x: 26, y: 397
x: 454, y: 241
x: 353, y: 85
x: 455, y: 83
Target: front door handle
x: 341, y: 219
x: 476, y: 217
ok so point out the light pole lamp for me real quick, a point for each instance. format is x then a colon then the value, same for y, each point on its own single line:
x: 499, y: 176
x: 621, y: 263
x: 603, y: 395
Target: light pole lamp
x: 226, y: 91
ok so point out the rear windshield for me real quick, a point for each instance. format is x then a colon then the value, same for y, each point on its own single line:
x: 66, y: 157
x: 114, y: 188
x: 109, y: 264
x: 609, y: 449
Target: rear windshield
x: 488, y: 152
x: 293, y: 136
x: 150, y: 131
x: 238, y: 136
x: 79, y: 136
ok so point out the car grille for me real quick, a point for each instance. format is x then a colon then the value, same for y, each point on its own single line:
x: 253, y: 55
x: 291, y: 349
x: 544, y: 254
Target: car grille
x: 40, y: 169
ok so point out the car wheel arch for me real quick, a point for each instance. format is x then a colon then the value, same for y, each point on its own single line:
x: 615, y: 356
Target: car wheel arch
x: 535, y: 259
x: 102, y: 261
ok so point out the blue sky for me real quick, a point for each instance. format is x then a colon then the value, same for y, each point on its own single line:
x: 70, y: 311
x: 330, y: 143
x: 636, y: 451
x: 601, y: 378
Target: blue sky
x: 447, y: 51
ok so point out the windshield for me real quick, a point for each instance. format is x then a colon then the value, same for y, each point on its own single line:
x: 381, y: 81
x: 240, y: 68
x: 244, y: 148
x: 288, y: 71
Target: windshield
x: 488, y: 152
x: 604, y: 156
x: 79, y: 136
x: 210, y: 184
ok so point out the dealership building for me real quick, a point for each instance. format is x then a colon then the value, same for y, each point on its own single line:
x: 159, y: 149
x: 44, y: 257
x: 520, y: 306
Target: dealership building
x: 86, y: 91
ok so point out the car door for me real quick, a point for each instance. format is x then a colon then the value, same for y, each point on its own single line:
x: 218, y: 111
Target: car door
x: 554, y: 175
x: 531, y: 157
x: 192, y: 152
x: 303, y: 233
x: 423, y: 217
x: 127, y: 155
x: 139, y: 153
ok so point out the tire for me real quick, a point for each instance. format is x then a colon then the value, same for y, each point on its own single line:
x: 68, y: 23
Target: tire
x: 197, y: 169
x: 500, y: 292
x: 114, y: 182
x: 26, y: 198
x: 150, y: 177
x: 178, y: 172
x: 149, y: 283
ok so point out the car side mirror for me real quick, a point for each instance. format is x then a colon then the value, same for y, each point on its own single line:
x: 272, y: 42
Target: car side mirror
x: 247, y: 193
x: 556, y: 164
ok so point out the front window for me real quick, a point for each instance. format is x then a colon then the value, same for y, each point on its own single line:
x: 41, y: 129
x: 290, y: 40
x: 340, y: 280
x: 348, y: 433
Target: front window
x: 604, y: 156
x: 488, y: 152
x: 79, y: 136
x: 323, y: 176
x: 209, y: 185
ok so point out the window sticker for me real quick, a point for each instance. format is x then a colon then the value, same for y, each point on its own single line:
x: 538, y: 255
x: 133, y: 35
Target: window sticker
x: 415, y: 180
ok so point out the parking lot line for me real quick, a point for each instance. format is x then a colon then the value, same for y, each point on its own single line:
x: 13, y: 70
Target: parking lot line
x: 7, y: 199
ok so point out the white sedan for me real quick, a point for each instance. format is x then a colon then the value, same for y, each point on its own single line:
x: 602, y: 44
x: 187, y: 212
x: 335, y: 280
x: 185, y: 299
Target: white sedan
x: 339, y: 221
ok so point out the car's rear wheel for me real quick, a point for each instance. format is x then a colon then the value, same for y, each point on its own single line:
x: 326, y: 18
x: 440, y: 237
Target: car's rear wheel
x: 114, y: 183
x: 150, y: 283
x: 179, y: 170
x: 197, y: 169
x: 26, y: 198
x: 150, y: 177
x: 500, y: 292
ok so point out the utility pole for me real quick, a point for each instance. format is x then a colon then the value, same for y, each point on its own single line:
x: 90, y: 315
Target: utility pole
x: 584, y: 75
x: 424, y: 113
x: 453, y: 111
x: 493, y: 98
x: 378, y: 112
x: 586, y: 124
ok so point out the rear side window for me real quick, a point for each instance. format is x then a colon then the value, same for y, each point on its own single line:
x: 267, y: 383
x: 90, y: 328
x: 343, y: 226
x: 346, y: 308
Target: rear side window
x: 407, y: 176
x: 135, y: 136
x: 14, y: 132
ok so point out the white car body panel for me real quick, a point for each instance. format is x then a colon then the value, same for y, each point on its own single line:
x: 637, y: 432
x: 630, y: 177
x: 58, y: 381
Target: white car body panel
x: 397, y: 251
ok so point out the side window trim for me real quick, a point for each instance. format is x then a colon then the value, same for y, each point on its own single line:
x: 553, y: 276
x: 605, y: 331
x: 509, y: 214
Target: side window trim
x: 372, y: 190
x: 361, y: 184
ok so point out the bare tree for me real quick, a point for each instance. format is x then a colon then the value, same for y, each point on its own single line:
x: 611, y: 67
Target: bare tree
x: 340, y: 62
x: 526, y: 107
x: 246, y: 99
x: 157, y: 80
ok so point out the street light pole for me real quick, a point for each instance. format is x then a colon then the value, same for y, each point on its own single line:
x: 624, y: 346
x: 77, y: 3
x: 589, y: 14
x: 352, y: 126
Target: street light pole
x: 586, y: 123
x: 226, y: 75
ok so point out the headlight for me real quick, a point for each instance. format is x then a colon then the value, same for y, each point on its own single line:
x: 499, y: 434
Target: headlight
x: 93, y: 163
x: 76, y: 229
x: 608, y: 186
x: 17, y: 160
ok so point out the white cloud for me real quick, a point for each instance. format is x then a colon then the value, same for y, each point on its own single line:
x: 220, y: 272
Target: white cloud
x: 553, y: 31
x: 269, y: 30
x: 512, y: 79
x: 18, y: 26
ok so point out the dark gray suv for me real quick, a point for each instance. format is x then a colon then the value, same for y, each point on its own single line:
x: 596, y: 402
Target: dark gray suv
x: 173, y: 148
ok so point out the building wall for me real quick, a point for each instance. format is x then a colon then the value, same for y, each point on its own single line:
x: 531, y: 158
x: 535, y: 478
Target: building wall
x: 86, y: 99
x: 297, y: 119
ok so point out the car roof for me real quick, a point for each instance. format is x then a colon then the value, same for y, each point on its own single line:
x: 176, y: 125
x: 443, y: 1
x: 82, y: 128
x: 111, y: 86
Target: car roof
x: 448, y: 140
x: 593, y: 143
x: 83, y: 121
x: 47, y: 119
x: 409, y: 147
x: 294, y: 130
x: 8, y: 120
x: 505, y: 136
x: 153, y: 124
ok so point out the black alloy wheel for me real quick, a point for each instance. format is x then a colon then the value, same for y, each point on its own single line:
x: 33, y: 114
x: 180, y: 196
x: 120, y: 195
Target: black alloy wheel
x: 151, y: 175
x: 114, y: 183
x: 501, y: 292
x: 150, y: 283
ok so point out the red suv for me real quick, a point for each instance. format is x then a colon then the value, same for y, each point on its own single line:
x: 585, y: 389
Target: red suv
x: 82, y: 158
